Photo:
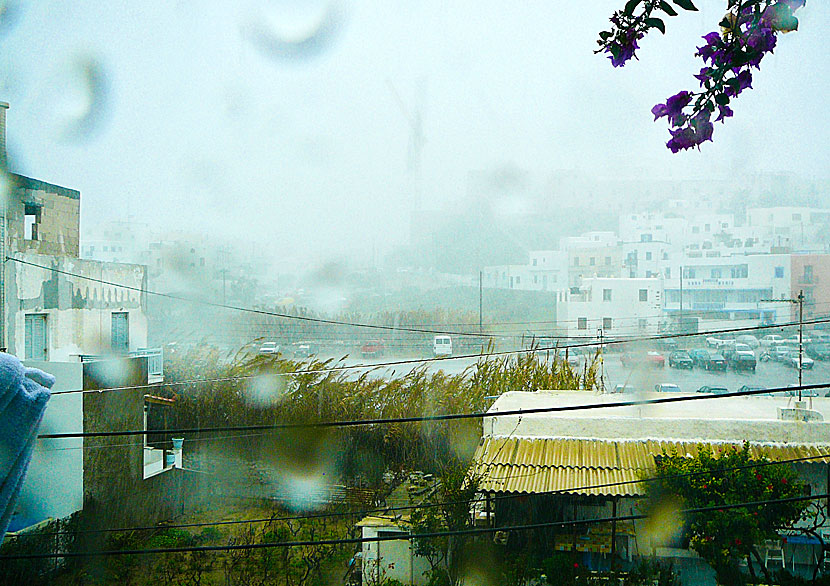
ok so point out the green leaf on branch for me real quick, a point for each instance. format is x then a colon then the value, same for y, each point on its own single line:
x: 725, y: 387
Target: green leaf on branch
x: 656, y: 23
x: 666, y: 7
x: 686, y: 5
x: 630, y: 6
x: 605, y: 35
x: 722, y: 99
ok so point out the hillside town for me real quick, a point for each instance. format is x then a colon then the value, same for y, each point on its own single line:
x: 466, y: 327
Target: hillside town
x: 272, y: 356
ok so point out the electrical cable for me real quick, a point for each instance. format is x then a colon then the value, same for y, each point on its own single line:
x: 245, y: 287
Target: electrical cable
x: 398, y: 537
x: 432, y: 418
x: 366, y: 512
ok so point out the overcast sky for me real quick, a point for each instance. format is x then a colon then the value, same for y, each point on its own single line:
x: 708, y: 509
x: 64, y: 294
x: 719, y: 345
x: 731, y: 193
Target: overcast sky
x: 212, y: 121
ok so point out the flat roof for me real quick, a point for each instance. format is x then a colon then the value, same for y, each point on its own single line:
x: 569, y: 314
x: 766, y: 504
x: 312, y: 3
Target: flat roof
x: 727, y: 419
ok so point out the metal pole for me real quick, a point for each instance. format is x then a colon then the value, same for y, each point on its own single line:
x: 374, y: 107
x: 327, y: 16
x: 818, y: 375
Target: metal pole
x: 681, y: 330
x: 800, y: 338
x: 601, y: 361
x: 480, y: 298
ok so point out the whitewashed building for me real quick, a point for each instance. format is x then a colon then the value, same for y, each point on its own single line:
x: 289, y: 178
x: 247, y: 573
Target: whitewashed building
x: 618, y: 306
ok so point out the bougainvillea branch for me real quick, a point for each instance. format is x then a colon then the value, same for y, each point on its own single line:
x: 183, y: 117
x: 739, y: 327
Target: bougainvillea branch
x: 748, y: 32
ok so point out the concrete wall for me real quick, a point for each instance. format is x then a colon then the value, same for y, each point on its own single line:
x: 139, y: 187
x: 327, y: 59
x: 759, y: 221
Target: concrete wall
x: 78, y: 310
x: 54, y: 482
x: 115, y: 492
x: 394, y: 559
x: 58, y: 230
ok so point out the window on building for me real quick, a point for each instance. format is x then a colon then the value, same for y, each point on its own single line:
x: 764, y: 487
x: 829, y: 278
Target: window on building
x: 535, y: 279
x: 606, y: 323
x: 642, y: 323
x: 606, y: 294
x: 576, y: 261
x: 779, y: 272
x: 593, y: 261
x: 36, y: 337
x: 518, y: 280
x: 808, y: 273
x: 668, y: 272
x: 643, y: 294
x: 716, y: 273
x: 645, y: 237
x: 695, y: 229
x: 120, y: 332
x: 740, y: 272
x: 582, y: 323
x: 160, y: 453
x: 534, y: 262
x: 796, y: 217
x: 707, y: 227
x: 607, y: 260
x: 31, y: 221
x: 648, y: 255
x: 688, y: 273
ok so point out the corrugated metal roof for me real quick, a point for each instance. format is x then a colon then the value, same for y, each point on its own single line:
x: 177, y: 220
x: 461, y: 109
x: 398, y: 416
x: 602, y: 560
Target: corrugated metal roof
x: 569, y: 465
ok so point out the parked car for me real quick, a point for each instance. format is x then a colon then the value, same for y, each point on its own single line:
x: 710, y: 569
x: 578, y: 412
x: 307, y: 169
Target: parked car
x: 719, y: 343
x: 269, y: 348
x: 749, y: 340
x: 713, y: 390
x: 373, y: 348
x: 624, y: 388
x: 804, y: 392
x: 778, y: 353
x: 771, y: 340
x: 794, y: 340
x: 666, y: 388
x: 667, y: 344
x: 680, y: 359
x: 751, y: 388
x: 708, y: 360
x: 653, y: 359
x: 304, y: 350
x: 818, y: 351
x: 741, y: 357
x: 791, y: 360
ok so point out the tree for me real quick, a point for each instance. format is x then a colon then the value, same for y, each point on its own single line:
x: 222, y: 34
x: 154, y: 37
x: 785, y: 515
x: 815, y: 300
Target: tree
x: 748, y: 32
x: 724, y: 537
x: 446, y: 509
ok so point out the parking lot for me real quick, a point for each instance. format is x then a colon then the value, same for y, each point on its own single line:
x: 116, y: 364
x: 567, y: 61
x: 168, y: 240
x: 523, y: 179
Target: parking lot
x: 767, y: 374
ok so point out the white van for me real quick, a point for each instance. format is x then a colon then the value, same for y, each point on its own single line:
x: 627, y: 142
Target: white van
x: 442, y: 346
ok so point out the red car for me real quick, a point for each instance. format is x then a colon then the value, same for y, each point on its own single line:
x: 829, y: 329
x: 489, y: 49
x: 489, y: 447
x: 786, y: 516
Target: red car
x: 654, y: 359
x: 373, y: 348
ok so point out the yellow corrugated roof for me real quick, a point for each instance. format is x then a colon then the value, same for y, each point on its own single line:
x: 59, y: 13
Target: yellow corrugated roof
x: 582, y: 466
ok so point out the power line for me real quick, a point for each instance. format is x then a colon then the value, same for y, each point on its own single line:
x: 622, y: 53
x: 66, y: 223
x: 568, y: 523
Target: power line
x: 363, y: 513
x: 419, y: 361
x: 409, y: 537
x: 249, y: 309
x: 237, y: 307
x: 430, y: 418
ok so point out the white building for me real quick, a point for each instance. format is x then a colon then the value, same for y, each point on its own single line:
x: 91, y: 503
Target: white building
x: 546, y: 270
x: 730, y: 288
x: 789, y: 226
x: 618, y: 306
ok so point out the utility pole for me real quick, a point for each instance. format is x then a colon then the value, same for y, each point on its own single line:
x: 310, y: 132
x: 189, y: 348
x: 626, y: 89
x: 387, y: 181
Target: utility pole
x: 681, y: 329
x: 601, y: 361
x: 480, y: 301
x: 800, y: 301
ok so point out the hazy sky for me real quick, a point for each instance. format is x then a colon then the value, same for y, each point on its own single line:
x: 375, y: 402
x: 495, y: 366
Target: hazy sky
x: 212, y: 122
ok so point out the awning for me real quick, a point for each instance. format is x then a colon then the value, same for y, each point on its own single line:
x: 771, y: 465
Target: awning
x: 598, y: 467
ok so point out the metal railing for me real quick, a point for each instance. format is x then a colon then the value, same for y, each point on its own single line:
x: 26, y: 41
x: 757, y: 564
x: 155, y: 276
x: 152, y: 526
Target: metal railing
x: 155, y: 359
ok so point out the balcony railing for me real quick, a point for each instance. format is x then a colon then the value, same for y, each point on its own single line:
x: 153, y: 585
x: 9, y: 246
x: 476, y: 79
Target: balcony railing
x: 155, y: 359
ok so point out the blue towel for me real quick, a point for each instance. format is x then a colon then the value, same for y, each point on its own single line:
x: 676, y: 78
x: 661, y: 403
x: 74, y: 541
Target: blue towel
x: 23, y: 396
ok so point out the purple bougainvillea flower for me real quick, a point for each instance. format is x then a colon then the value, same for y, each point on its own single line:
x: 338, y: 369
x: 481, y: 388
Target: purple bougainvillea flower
x: 673, y: 108
x: 681, y: 139
x: 713, y: 49
x: 703, y: 75
x: 723, y: 112
x: 625, y: 49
